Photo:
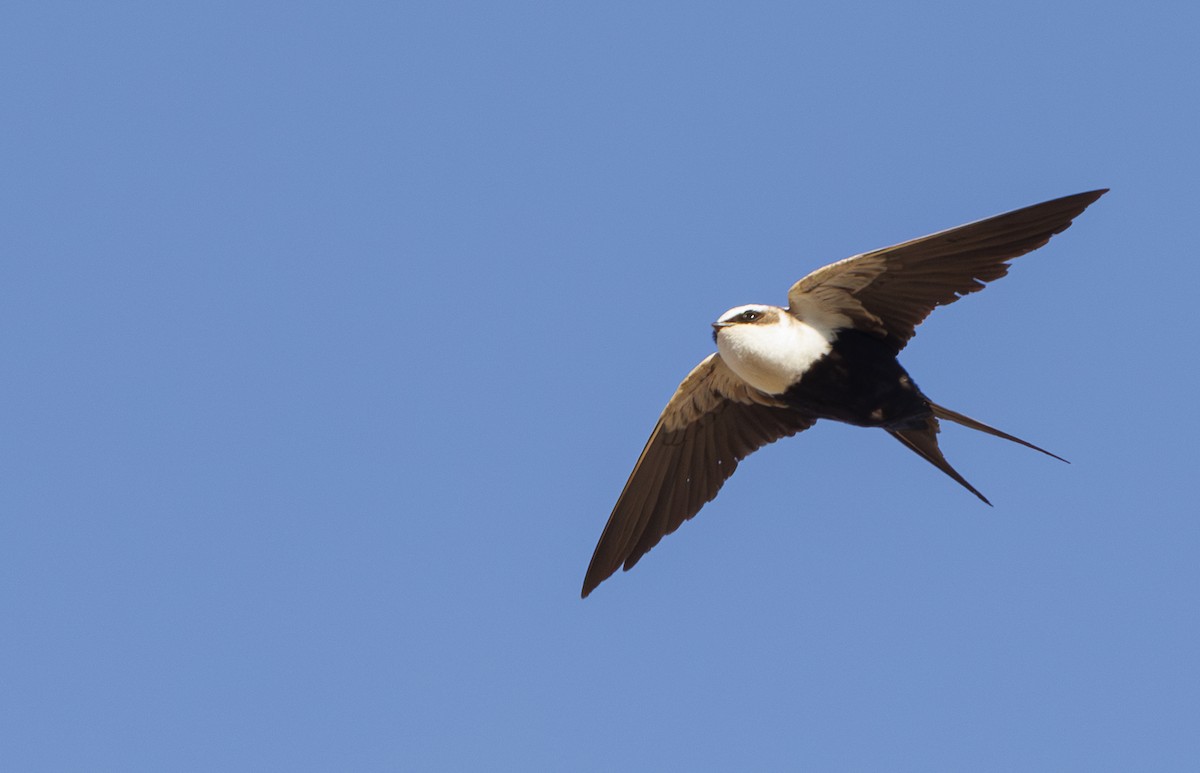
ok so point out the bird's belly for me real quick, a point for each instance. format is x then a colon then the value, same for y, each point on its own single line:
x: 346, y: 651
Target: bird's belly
x: 860, y: 382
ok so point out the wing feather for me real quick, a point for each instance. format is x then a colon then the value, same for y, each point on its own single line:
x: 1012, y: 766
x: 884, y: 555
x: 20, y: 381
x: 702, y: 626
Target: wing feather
x: 892, y: 290
x: 713, y: 421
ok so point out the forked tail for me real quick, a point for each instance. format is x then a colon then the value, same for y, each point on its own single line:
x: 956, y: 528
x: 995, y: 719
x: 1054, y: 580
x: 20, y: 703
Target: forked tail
x: 923, y: 441
x: 967, y: 421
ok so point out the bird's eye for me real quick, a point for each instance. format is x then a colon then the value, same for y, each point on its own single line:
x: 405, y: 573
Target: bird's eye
x: 750, y: 316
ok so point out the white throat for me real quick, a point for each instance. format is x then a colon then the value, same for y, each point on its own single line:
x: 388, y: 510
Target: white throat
x: 772, y: 357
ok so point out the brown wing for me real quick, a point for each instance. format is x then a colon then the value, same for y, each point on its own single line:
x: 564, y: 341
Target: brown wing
x: 713, y: 421
x: 892, y: 290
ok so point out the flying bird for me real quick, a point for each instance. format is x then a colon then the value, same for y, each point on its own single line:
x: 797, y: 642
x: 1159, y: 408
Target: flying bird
x: 831, y: 354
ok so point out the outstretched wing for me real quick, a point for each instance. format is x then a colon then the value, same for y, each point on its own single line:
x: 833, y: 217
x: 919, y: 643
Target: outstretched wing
x: 713, y: 421
x: 892, y: 290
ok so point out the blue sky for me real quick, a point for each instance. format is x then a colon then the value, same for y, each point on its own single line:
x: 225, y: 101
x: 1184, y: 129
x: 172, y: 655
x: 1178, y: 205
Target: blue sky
x: 332, y: 332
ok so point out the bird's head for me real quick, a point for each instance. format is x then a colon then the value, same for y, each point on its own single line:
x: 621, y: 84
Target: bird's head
x: 744, y: 317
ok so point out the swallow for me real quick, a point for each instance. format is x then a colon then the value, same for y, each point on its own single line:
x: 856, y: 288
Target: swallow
x: 831, y: 354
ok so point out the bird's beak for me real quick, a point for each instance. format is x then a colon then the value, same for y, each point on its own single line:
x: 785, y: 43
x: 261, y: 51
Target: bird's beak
x: 718, y: 325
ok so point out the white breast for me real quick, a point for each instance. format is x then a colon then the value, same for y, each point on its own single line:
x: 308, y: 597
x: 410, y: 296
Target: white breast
x: 773, y: 357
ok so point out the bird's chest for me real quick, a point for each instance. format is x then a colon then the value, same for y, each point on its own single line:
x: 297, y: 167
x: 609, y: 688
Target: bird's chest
x: 772, y: 358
